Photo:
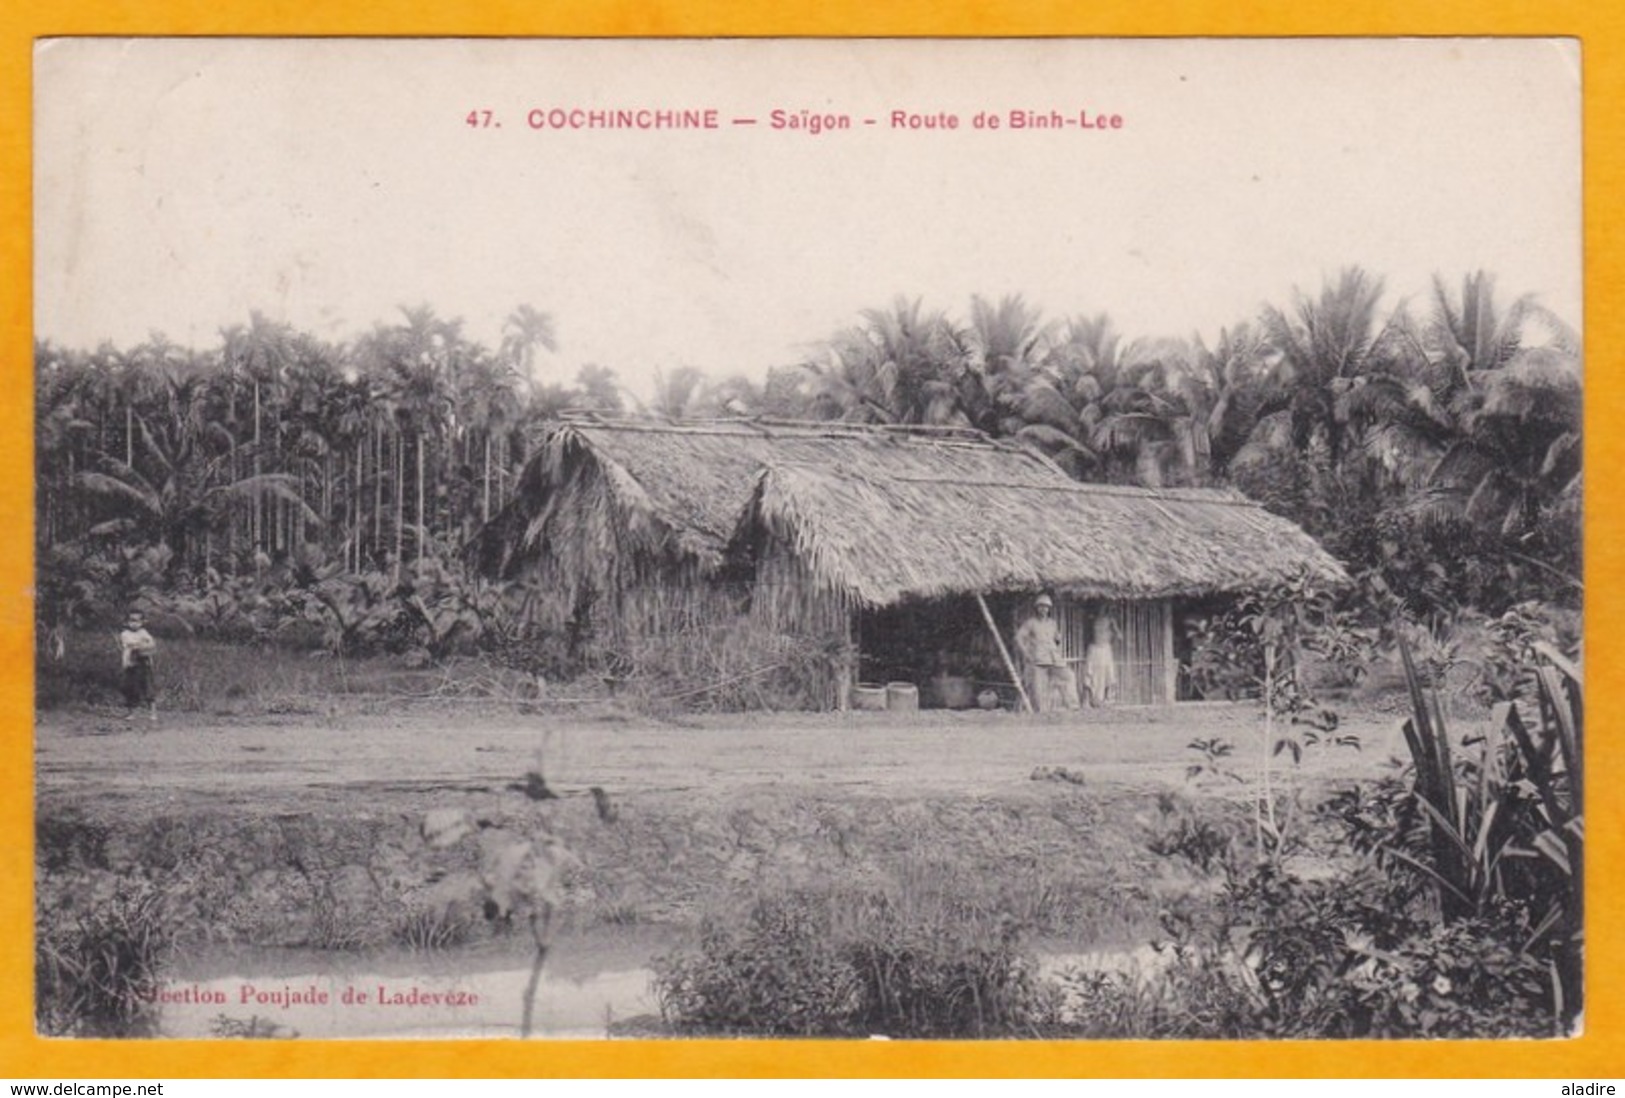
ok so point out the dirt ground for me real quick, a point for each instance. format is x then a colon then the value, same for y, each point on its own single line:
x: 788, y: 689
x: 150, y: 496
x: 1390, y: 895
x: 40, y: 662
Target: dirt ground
x: 298, y: 761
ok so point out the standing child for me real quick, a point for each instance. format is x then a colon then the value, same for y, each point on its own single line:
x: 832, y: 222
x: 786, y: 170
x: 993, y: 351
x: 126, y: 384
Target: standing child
x: 136, y: 648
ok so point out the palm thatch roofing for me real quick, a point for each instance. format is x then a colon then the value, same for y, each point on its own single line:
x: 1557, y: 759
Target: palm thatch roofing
x: 884, y: 514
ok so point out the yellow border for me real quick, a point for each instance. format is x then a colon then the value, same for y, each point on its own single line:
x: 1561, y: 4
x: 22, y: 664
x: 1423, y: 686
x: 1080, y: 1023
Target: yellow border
x: 1599, y: 1054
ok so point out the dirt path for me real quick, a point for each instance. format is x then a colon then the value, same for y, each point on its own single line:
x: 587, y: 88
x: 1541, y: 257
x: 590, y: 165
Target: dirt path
x: 291, y: 761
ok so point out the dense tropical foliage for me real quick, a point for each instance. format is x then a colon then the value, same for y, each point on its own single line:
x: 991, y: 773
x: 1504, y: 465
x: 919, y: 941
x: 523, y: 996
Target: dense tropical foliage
x: 1437, y: 451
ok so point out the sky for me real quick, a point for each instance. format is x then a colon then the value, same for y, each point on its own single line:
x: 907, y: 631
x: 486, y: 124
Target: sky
x: 180, y: 184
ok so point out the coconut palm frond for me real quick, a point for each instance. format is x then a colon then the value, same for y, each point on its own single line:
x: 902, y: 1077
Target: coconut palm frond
x: 125, y: 485
x: 279, y: 486
x: 1562, y: 457
x: 1052, y: 441
x: 1465, y: 462
x: 1490, y: 499
x: 1371, y: 397
x: 1539, y: 385
x: 1562, y: 336
x: 1128, y: 431
x: 1041, y: 402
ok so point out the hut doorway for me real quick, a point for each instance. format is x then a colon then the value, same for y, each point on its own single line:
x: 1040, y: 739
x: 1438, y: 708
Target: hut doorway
x: 941, y: 646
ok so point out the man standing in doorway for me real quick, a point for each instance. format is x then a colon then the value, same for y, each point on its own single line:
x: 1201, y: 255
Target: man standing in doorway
x: 1050, y: 681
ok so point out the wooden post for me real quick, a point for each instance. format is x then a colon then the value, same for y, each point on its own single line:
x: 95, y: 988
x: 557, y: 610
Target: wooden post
x: 849, y: 666
x: 1004, y: 653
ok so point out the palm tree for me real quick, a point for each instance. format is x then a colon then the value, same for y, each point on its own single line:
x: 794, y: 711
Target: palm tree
x: 423, y: 358
x: 681, y: 394
x: 63, y: 388
x: 1141, y: 425
x: 1010, y: 384
x: 1224, y: 391
x: 182, y: 491
x: 1471, y: 333
x: 1410, y: 406
x: 897, y: 366
x: 489, y: 404
x: 1116, y: 417
x: 351, y: 415
x: 262, y: 353
x: 523, y: 332
x: 145, y: 371
x: 1518, y: 455
x: 1325, y: 344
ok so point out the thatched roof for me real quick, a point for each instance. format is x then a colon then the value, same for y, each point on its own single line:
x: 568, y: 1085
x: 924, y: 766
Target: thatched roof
x: 887, y: 514
x: 882, y: 541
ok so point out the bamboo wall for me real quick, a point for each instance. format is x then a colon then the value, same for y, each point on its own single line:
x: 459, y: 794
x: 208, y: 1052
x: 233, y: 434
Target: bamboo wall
x: 1142, y: 644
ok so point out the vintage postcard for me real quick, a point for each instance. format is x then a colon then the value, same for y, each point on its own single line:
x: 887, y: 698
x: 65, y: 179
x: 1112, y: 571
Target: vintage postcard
x: 1068, y: 539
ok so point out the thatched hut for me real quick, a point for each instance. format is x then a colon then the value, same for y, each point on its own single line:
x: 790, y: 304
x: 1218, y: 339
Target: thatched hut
x: 912, y: 549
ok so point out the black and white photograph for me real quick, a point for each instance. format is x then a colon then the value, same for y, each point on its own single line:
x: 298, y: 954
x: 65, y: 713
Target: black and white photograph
x: 1065, y: 539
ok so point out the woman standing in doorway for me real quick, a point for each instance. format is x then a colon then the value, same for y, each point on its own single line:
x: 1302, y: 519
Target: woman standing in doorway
x: 1100, y: 665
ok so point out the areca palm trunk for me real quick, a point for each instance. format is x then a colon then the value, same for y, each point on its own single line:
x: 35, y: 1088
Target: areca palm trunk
x: 254, y: 524
x: 422, y: 525
x: 355, y: 524
x: 377, y: 487
x: 400, y: 503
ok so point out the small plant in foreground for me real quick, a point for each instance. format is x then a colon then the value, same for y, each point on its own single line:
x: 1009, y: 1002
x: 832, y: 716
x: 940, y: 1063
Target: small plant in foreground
x: 96, y: 966
x: 429, y: 929
x: 1181, y: 831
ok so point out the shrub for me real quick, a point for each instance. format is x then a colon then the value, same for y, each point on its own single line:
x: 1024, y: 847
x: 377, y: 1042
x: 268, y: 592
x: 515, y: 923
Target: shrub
x: 778, y: 972
x: 833, y: 964
x: 1503, y: 826
x: 1205, y: 840
x: 952, y: 970
x: 1281, y: 957
x: 96, y: 964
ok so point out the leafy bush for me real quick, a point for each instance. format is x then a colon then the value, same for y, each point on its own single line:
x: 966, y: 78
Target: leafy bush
x: 833, y: 964
x: 1205, y: 840
x: 942, y: 968
x: 1255, y: 648
x: 778, y: 972
x: 1503, y: 826
x: 1282, y: 957
x: 1463, y: 921
x: 96, y: 963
